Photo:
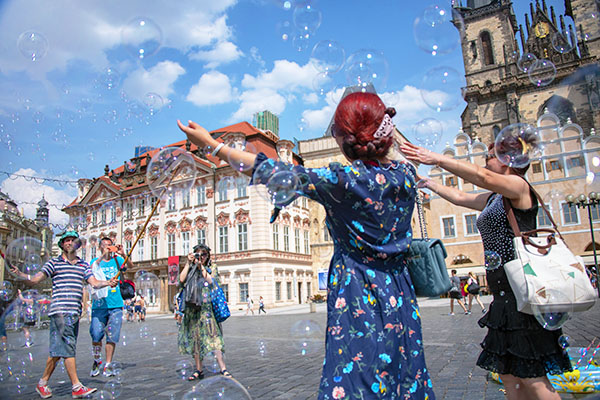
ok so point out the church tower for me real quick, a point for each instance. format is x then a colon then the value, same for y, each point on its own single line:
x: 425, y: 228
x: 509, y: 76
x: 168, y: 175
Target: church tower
x: 41, y: 214
x: 498, y: 91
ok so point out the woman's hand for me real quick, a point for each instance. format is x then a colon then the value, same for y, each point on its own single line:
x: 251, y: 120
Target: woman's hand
x: 420, y: 154
x: 190, y: 257
x: 197, y: 134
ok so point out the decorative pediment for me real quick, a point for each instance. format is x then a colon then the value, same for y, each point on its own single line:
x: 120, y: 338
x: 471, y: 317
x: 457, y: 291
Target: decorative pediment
x: 112, y: 235
x: 171, y: 227
x: 297, y: 220
x: 306, y: 223
x: 242, y: 216
x: 153, y: 230
x: 286, y: 218
x: 210, y: 193
x: 223, y: 219
x: 185, y: 225
x: 128, y: 235
x: 200, y: 222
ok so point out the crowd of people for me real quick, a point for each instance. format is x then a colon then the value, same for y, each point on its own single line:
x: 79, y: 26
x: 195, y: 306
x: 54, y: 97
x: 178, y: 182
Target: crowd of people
x: 373, y: 344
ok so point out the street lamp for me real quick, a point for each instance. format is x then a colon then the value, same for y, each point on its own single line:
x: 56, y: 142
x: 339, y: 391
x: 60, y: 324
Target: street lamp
x: 589, y: 201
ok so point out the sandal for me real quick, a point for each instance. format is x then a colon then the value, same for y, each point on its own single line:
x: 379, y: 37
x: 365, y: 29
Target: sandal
x: 196, y: 375
x: 226, y: 374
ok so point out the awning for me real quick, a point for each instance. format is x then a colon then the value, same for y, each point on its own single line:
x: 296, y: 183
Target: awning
x: 464, y: 271
x: 589, y: 260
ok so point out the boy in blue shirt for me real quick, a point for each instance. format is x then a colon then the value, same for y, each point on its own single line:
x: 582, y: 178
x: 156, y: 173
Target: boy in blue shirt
x: 107, y: 305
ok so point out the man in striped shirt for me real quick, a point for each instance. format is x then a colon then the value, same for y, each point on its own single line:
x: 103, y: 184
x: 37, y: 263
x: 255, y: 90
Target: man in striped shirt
x: 68, y: 273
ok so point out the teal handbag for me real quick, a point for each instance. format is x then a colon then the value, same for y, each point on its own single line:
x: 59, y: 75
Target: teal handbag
x: 426, y: 263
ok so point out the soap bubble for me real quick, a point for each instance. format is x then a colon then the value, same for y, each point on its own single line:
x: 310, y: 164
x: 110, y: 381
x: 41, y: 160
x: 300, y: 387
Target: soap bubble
x: 300, y: 41
x: 307, y: 19
x: 148, y: 285
x: 242, y: 145
x: 154, y: 102
x: 441, y: 88
x: 427, y: 132
x: 142, y: 37
x: 553, y: 199
x: 211, y: 362
x: 526, y: 61
x: 109, y: 78
x: 563, y: 341
x: 285, y: 30
x: 170, y: 169
x: 261, y: 345
x: 542, y: 72
x: 438, y: 30
x: 32, y: 45
x: 6, y: 290
x: 115, y: 370
x: 307, y: 337
x: 184, y: 369
x: 103, y: 395
x: 367, y: 66
x: 554, y: 311
x: 517, y: 144
x: 591, y: 19
x: 113, y: 387
x: 282, y: 187
x: 27, y: 255
x: 217, y: 387
x: 328, y: 56
x: 492, y: 260
x: 562, y: 42
x: 323, y: 83
x: 268, y: 168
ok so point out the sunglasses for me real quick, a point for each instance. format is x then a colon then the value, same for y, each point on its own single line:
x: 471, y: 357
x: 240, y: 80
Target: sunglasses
x: 489, y: 156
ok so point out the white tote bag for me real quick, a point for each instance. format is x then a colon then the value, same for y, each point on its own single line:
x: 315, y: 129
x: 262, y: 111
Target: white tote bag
x: 546, y: 274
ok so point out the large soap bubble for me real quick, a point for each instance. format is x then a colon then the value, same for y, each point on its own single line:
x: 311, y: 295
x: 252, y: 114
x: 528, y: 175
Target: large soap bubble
x: 438, y: 30
x: 542, y: 72
x: 555, y: 312
x: 282, y: 187
x: 516, y: 144
x: 307, y: 19
x: 142, y: 37
x: 217, y: 387
x: 27, y: 255
x: 33, y: 45
x: 171, y: 169
x: 148, y: 285
x: 367, y: 66
x: 441, y: 88
x: 427, y: 132
x: 307, y: 337
x: 328, y: 56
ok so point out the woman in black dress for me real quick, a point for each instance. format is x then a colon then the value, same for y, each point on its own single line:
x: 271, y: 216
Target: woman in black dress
x: 516, y: 346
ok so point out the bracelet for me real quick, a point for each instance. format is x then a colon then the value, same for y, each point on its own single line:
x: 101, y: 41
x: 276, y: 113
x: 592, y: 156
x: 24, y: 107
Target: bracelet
x: 217, y: 149
x: 28, y: 277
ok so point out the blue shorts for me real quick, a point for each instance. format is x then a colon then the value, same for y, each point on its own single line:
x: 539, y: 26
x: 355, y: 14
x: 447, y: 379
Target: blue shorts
x: 106, y: 320
x: 64, y: 329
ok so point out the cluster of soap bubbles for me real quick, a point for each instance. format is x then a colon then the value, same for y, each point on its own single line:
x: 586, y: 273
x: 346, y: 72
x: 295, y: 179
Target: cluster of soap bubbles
x: 280, y: 180
x: 26, y: 255
x: 171, y: 169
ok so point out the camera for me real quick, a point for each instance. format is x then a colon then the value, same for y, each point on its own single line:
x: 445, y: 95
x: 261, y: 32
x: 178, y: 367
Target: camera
x: 197, y: 256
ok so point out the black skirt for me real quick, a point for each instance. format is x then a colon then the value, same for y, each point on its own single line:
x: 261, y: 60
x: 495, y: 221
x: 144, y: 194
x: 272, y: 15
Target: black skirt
x: 516, y: 344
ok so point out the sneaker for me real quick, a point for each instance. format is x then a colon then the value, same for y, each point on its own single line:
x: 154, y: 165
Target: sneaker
x: 451, y: 313
x: 108, y: 372
x: 468, y: 312
x: 483, y: 311
x: 96, y: 368
x: 43, y: 391
x: 82, y: 392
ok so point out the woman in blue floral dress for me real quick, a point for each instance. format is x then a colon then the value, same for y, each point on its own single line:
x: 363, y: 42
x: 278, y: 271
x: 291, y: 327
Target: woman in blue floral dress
x: 374, y: 345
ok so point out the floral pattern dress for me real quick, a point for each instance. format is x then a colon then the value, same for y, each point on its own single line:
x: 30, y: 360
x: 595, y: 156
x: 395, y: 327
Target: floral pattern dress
x: 199, y: 332
x: 373, y: 344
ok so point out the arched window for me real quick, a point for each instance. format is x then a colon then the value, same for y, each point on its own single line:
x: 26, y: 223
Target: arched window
x: 486, y: 44
x: 560, y: 106
x: 496, y: 130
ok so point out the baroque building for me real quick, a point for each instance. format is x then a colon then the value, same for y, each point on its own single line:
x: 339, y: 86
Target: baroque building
x: 499, y: 92
x: 254, y: 257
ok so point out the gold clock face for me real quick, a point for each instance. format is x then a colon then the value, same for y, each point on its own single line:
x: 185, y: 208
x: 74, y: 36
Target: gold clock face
x: 542, y: 29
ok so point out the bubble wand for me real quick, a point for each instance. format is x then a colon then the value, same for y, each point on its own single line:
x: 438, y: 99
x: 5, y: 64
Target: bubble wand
x: 592, y: 357
x: 585, y: 352
x: 141, y: 232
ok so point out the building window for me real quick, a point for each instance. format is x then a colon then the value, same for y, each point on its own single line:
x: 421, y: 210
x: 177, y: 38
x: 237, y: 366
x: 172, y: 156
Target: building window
x: 171, y: 202
x: 128, y: 246
x: 113, y: 214
x: 304, y: 202
x: 223, y: 237
x: 185, y: 198
x: 225, y: 288
x: 185, y: 242
x: 595, y: 212
x: 488, y: 51
x: 201, y: 194
x: 243, y: 292
x: 297, y: 240
x: 153, y: 201
x: 128, y: 210
x: 241, y: 184
x: 171, y: 245
x: 286, y: 238
x: 326, y: 237
x: 83, y: 253
x: 103, y: 216
x: 93, y: 252
x: 536, y: 167
x: 222, y: 190
x: 277, y: 291
x: 542, y: 217
x: 306, y: 243
x: 141, y: 207
x: 470, y: 224
x: 153, y: 247
x: 451, y: 181
x: 449, y: 227
x: 553, y: 165
x: 570, y: 213
x: 275, y: 237
x: 289, y: 290
x: 201, y: 233
x: 308, y: 290
x: 94, y: 217
x: 574, y: 162
x: 140, y: 249
x: 242, y: 237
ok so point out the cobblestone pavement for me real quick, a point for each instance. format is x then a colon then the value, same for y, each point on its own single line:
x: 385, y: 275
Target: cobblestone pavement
x: 262, y: 355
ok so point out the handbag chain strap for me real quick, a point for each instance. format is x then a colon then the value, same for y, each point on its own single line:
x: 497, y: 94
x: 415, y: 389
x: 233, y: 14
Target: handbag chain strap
x: 421, y: 215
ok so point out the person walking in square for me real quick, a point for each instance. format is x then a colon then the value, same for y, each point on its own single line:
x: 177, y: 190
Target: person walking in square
x: 249, y: 304
x: 455, y: 293
x: 373, y: 342
x: 68, y: 273
x: 473, y: 291
x: 261, y: 305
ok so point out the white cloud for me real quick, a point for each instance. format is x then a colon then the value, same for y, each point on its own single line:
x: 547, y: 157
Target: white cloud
x: 257, y: 100
x: 158, y: 79
x: 22, y: 191
x: 310, y: 98
x: 212, y: 88
x: 222, y: 53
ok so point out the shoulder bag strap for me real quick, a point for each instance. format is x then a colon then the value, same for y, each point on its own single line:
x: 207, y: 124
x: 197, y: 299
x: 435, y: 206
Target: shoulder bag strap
x: 421, y: 216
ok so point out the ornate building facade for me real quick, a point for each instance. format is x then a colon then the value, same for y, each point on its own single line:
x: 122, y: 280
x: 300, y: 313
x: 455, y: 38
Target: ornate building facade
x: 498, y: 93
x: 254, y: 257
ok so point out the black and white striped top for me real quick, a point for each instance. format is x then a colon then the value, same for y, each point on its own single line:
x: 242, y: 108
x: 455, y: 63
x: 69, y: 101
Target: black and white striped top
x: 67, y: 284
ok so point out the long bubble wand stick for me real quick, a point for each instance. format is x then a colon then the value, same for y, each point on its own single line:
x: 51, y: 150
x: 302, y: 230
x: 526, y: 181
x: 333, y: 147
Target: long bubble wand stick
x: 592, y: 357
x: 585, y: 352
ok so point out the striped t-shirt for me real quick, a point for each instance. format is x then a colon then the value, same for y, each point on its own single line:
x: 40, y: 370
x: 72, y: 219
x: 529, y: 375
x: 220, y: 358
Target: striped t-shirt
x: 67, y: 284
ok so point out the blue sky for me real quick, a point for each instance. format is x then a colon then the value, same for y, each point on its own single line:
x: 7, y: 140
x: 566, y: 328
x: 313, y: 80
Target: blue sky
x: 218, y: 63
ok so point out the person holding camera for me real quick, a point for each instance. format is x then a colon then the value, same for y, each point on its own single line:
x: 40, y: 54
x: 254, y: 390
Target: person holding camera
x: 68, y: 273
x: 199, y: 333
x: 107, y: 305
